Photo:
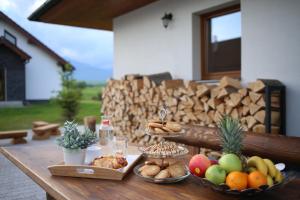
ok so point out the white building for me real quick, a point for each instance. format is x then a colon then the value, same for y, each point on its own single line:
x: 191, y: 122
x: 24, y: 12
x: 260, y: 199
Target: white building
x: 29, y: 70
x: 268, y: 48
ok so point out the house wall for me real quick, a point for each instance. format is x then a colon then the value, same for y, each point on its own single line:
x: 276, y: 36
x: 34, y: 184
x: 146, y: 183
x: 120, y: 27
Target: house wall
x: 41, y: 73
x: 143, y: 45
x: 270, y: 43
x: 271, y: 47
x: 14, y: 74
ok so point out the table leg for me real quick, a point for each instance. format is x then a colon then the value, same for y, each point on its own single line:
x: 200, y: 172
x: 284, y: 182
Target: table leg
x: 49, y: 197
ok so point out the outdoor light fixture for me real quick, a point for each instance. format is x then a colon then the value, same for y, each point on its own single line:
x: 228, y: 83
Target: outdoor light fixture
x: 166, y: 19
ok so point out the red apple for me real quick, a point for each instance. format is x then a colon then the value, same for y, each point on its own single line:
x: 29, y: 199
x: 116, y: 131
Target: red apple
x: 198, y: 164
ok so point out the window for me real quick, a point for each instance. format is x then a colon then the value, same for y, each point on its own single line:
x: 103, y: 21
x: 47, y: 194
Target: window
x: 221, y: 43
x: 10, y: 37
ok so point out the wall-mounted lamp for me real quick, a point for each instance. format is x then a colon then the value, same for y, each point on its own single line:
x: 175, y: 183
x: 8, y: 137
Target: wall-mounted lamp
x: 166, y: 19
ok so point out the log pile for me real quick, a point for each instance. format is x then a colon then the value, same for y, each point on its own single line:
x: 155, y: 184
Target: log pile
x: 132, y: 102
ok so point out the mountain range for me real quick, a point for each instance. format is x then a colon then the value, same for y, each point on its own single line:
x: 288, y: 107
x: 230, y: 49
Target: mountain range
x: 91, y: 74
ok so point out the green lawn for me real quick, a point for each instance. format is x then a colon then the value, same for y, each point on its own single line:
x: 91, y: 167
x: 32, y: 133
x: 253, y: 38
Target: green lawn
x: 21, y: 118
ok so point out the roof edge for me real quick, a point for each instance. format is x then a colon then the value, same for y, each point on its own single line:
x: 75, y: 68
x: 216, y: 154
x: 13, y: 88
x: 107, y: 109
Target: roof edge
x: 42, y: 9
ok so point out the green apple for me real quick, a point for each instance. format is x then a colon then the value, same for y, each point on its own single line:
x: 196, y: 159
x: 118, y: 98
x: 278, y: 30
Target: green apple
x: 215, y: 174
x: 230, y: 162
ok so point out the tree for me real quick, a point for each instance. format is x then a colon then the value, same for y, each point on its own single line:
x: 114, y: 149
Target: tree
x: 70, y: 94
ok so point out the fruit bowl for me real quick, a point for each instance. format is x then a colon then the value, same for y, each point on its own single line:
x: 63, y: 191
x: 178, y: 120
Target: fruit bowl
x: 288, y: 176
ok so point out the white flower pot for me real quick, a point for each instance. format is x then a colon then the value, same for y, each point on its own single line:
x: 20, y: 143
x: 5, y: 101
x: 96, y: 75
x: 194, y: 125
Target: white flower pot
x: 74, y: 156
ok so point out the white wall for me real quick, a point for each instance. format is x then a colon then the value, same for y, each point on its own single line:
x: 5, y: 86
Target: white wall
x: 42, y: 71
x: 271, y: 49
x: 143, y: 45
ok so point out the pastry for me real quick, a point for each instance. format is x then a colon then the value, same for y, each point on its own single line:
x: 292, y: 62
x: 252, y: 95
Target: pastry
x: 167, y: 129
x: 173, y: 126
x: 163, y: 174
x: 150, y: 170
x: 158, y: 162
x: 155, y: 125
x: 176, y: 170
x: 113, y: 162
x: 159, y: 130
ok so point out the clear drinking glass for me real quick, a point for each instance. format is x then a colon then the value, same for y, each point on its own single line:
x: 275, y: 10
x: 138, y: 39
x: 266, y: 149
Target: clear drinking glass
x: 120, y: 145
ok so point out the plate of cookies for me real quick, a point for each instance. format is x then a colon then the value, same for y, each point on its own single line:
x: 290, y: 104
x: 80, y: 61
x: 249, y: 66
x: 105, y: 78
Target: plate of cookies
x: 164, y: 129
x: 162, y: 171
x: 164, y: 150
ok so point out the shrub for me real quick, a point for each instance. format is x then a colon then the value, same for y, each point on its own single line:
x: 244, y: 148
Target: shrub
x: 70, y: 94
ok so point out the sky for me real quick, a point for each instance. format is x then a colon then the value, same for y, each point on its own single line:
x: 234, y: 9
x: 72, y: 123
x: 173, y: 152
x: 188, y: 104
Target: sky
x: 85, y: 48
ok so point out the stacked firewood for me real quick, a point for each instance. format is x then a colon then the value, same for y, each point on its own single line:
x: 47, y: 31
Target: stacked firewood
x: 132, y: 102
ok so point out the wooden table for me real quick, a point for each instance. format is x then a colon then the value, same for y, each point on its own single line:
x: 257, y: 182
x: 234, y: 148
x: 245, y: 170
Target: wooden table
x: 33, y: 161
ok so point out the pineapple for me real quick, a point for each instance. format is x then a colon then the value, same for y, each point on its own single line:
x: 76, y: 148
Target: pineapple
x: 231, y: 135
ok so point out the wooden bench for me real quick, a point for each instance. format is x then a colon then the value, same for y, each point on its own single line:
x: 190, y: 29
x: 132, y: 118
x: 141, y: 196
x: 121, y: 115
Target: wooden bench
x: 16, y: 135
x: 44, y: 132
x: 36, y: 124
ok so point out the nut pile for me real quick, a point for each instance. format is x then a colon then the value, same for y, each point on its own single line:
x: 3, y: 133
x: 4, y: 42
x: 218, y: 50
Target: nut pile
x: 165, y: 149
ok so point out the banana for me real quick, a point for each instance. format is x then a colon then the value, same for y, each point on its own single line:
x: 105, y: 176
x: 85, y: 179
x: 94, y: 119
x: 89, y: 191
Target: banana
x: 251, y: 169
x: 278, y: 177
x: 259, y: 163
x: 270, y: 181
x: 271, y: 167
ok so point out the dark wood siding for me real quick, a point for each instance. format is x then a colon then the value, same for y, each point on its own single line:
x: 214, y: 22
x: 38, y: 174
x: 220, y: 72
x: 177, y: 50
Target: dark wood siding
x: 15, y: 74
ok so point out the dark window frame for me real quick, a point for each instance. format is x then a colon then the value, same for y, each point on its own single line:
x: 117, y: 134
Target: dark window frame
x: 205, y: 75
x: 10, y: 35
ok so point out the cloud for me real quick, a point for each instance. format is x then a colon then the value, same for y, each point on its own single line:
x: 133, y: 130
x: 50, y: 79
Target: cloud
x: 7, y: 4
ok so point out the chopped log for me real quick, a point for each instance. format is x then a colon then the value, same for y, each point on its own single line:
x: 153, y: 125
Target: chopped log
x: 275, y: 101
x: 171, y: 102
x: 147, y: 82
x: 222, y: 93
x: 198, y: 106
x: 254, y: 108
x: 243, y: 92
x: 131, y: 77
x: 234, y: 114
x: 275, y: 118
x: 235, y: 99
x: 257, y: 86
x: 221, y: 108
x: 137, y: 84
x: 215, y: 92
x: 261, y: 102
x: 172, y: 83
x: 254, y: 96
x: 246, y: 101
x: 202, y: 90
x: 251, y: 121
x: 260, y: 116
x: 260, y: 144
x: 230, y: 82
x: 213, y: 103
x: 246, y: 110
x: 228, y: 109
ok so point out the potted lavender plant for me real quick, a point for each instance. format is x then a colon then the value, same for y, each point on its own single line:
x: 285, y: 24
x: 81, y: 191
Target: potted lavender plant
x: 75, y: 143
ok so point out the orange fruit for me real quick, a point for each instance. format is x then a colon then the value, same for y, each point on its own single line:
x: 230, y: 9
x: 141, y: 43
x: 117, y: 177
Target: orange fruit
x: 237, y: 180
x: 257, y: 179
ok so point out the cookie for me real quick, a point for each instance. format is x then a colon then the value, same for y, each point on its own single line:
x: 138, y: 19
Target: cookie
x: 144, y: 174
x: 176, y: 170
x: 163, y: 174
x: 142, y: 168
x: 173, y: 126
x: 158, y: 162
x: 151, y: 170
x: 155, y: 125
x: 169, y: 161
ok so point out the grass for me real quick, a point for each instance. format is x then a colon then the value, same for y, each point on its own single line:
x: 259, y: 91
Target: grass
x: 21, y: 118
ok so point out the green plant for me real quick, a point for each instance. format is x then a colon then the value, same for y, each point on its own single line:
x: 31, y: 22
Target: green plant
x: 231, y: 135
x: 73, y: 139
x: 69, y: 96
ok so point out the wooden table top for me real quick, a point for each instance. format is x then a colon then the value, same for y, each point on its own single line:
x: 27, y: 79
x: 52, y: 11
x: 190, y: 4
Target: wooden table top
x: 34, y: 160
